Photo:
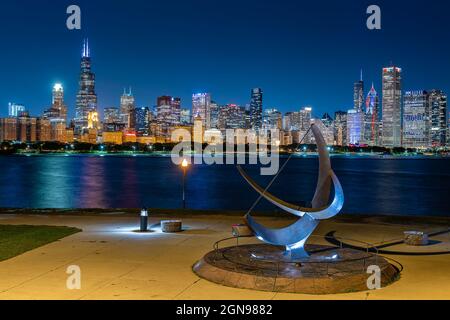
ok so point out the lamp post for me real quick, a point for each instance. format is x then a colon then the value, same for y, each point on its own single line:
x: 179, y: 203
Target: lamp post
x: 184, y: 166
x: 144, y: 220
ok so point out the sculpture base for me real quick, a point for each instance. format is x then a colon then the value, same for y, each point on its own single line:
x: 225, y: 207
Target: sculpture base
x: 329, y: 270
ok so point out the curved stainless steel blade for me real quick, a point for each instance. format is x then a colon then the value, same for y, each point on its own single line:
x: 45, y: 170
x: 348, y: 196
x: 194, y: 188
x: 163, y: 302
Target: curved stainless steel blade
x: 319, y: 213
x: 291, y: 236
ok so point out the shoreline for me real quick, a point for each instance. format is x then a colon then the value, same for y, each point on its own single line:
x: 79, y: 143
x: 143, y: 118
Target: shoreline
x: 298, y: 155
x: 154, y: 212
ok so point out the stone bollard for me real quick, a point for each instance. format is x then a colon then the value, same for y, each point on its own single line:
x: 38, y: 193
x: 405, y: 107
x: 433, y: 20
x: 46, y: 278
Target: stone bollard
x: 416, y: 238
x: 171, y: 226
x: 241, y: 230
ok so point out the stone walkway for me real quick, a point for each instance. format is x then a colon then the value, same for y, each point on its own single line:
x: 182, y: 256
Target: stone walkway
x: 117, y: 263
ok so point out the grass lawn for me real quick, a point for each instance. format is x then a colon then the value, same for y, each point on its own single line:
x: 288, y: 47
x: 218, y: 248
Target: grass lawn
x: 15, y: 240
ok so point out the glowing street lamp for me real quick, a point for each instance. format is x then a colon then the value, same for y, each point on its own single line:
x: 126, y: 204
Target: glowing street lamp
x: 184, y: 166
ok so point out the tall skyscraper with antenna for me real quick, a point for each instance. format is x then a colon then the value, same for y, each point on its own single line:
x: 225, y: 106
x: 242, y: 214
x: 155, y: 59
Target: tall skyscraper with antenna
x: 86, y: 97
x: 358, y: 94
x: 371, y: 118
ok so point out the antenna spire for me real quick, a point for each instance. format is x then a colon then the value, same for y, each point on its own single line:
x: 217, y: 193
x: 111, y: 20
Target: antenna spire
x: 86, y: 51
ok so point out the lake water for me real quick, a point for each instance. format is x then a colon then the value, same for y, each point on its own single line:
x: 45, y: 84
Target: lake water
x: 371, y: 186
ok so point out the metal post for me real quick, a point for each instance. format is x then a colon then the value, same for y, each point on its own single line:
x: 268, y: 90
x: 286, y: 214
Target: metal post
x: 184, y: 188
x: 144, y: 220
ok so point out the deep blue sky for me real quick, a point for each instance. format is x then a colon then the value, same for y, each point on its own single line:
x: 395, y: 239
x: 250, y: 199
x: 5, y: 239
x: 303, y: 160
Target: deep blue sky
x: 300, y: 52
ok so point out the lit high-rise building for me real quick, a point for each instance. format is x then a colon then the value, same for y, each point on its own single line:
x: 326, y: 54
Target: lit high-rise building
x: 142, y: 121
x: 273, y: 119
x: 86, y: 97
x: 416, y: 125
x: 112, y: 120
x: 327, y: 130
x: 256, y: 109
x: 232, y: 116
x: 287, y: 125
x: 371, y: 118
x: 111, y: 115
x: 214, y: 115
x: 176, y: 111
x: 43, y: 130
x: 201, y: 104
x: 185, y: 117
x: 127, y: 107
x: 168, y: 113
x: 58, y: 109
x: 8, y: 129
x: 292, y: 121
x: 392, y: 107
x: 26, y: 128
x: 93, y: 120
x: 354, y: 127
x: 15, y: 109
x: 58, y: 101
x: 340, y: 128
x: 327, y: 120
x: 437, y: 101
x: 305, y: 118
x: 327, y: 125
x: 358, y: 94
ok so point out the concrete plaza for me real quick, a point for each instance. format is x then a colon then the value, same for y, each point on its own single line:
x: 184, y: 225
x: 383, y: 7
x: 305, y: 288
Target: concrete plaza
x: 118, y: 263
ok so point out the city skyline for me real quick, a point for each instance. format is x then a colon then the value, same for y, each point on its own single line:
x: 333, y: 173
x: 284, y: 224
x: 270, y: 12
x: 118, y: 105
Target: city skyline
x: 233, y: 64
x: 420, y: 121
x: 87, y: 84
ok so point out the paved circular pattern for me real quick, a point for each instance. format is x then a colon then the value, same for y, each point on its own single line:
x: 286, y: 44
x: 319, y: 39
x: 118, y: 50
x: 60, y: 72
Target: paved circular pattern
x: 329, y: 270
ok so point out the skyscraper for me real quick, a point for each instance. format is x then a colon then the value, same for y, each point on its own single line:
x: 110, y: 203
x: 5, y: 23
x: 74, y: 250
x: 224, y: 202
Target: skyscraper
x: 327, y: 120
x: 371, y: 118
x: 305, y: 118
x: 231, y: 116
x: 58, y: 109
x: 358, y: 94
x: 415, y: 119
x: 142, y: 121
x: 201, y: 104
x: 112, y: 120
x: 168, y: 112
x: 326, y: 127
x: 392, y: 107
x: 214, y: 115
x: 111, y: 115
x: 354, y: 129
x: 127, y: 109
x: 15, y: 109
x: 86, y: 97
x: 437, y: 101
x: 340, y: 128
x: 273, y: 120
x: 185, y: 117
x: 256, y: 109
x: 176, y: 111
x: 58, y: 101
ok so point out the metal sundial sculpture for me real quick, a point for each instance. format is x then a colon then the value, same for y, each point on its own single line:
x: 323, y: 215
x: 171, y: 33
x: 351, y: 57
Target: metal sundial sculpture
x: 294, y: 237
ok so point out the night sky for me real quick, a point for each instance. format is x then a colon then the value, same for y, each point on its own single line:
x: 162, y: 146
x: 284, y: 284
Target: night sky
x: 300, y: 52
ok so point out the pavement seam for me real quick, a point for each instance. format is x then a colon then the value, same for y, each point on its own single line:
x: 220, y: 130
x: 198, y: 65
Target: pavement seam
x: 187, y: 288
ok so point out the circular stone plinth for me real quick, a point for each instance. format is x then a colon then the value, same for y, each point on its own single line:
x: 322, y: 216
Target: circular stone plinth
x: 329, y: 270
